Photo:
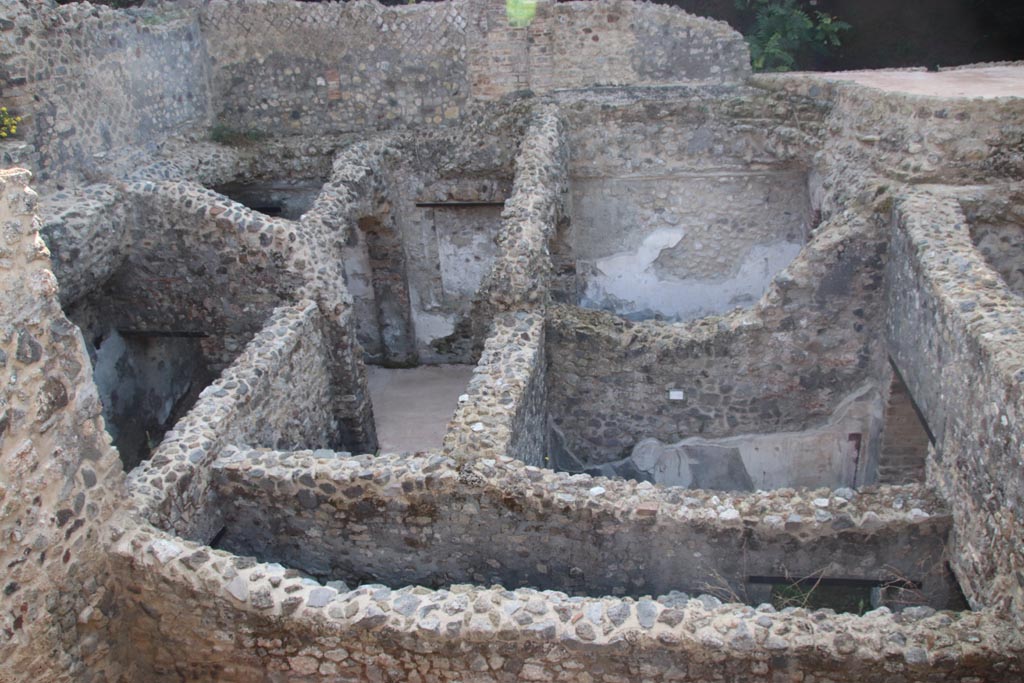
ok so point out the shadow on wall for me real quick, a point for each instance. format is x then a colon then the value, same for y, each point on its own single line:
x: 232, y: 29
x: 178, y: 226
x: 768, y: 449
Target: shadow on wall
x: 833, y: 455
x: 286, y: 198
x: 146, y: 383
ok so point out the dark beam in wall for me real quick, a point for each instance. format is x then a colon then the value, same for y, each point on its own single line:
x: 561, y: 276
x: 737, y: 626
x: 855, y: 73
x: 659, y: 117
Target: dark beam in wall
x: 458, y: 204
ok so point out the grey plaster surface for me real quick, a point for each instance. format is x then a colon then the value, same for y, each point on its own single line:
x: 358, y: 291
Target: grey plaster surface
x: 412, y: 406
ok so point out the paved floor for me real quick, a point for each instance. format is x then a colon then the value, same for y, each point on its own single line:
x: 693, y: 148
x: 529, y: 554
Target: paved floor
x: 985, y: 81
x: 412, y: 406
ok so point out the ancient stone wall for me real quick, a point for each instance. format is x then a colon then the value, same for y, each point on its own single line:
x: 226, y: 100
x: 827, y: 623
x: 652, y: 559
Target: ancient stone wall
x: 686, y: 202
x: 184, y: 243
x: 997, y: 229
x: 282, y: 66
x: 952, y: 326
x: 60, y: 480
x: 748, y: 372
x: 273, y: 621
x: 581, y: 44
x: 504, y: 411
x: 390, y: 199
x: 521, y: 276
x: 93, y: 83
x: 279, y: 393
x: 908, y: 138
x: 86, y: 230
x: 817, y: 329
x: 521, y: 527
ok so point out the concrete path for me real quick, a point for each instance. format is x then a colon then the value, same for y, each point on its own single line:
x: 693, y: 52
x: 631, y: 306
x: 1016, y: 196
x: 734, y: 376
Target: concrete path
x: 412, y: 406
x: 982, y: 81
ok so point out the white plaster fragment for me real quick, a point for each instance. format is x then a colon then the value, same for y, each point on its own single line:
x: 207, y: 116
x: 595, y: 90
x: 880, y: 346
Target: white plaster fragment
x: 238, y: 587
x: 165, y: 550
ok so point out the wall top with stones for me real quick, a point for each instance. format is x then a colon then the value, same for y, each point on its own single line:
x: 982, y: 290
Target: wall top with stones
x: 782, y: 510
x: 374, y: 616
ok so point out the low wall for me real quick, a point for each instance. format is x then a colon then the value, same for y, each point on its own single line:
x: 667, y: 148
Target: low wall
x: 953, y: 329
x: 279, y: 393
x: 521, y: 276
x: 86, y: 231
x: 430, y: 522
x: 183, y: 243
x: 263, y: 621
x: 505, y: 409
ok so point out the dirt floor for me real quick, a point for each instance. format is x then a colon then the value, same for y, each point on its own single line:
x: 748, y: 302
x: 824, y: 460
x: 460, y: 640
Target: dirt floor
x: 412, y: 406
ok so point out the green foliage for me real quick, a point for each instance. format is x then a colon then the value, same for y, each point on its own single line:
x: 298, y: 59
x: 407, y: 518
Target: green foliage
x: 854, y: 600
x: 8, y: 123
x: 781, y: 32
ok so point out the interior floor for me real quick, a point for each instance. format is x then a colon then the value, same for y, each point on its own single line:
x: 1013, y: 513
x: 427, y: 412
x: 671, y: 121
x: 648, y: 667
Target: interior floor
x: 412, y: 406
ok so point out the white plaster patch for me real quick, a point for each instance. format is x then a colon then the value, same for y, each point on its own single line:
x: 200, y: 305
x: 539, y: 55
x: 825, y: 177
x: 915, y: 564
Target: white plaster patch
x: 466, y: 256
x: 431, y: 326
x: 165, y: 550
x: 627, y: 285
x: 823, y: 456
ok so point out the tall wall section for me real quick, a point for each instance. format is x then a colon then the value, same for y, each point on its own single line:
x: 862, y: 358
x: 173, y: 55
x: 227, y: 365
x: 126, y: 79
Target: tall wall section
x: 92, y: 83
x: 704, y: 163
x: 284, y: 66
x: 59, y: 478
x: 96, y: 86
x: 609, y: 42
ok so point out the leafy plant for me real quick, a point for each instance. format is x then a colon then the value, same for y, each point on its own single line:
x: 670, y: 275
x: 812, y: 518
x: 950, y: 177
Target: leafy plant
x: 781, y: 32
x: 8, y: 123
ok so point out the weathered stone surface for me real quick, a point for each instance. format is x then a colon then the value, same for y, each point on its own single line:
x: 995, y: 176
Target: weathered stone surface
x: 699, y: 195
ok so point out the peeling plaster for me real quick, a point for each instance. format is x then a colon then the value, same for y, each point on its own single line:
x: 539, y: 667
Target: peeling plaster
x: 626, y: 283
x: 823, y: 456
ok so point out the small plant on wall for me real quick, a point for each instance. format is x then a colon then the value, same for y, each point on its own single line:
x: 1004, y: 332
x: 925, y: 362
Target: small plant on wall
x: 8, y: 123
x: 781, y: 31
